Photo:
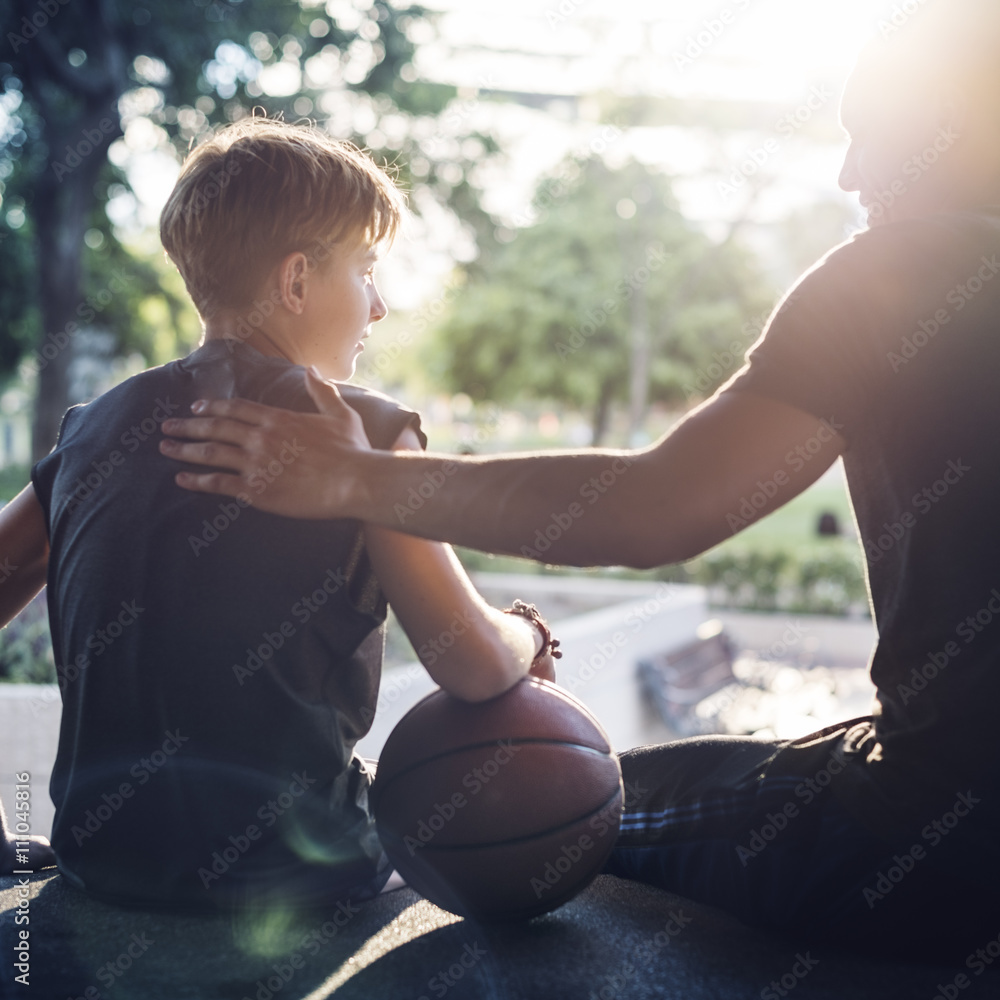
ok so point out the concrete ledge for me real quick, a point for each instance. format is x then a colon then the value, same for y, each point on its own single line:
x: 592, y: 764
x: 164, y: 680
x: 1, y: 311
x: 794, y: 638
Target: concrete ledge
x: 617, y: 941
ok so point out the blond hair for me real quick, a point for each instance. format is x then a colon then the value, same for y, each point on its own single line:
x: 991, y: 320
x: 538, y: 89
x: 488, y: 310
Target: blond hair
x: 261, y: 189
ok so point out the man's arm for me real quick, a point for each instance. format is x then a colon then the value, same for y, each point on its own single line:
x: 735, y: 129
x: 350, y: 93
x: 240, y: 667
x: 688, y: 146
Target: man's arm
x: 24, y: 552
x: 725, y: 465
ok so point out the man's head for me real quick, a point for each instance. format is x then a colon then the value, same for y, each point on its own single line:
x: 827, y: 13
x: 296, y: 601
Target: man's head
x: 260, y: 191
x: 923, y: 112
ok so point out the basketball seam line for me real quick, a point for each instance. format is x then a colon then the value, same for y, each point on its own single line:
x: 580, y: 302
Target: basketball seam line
x: 511, y: 840
x: 521, y: 741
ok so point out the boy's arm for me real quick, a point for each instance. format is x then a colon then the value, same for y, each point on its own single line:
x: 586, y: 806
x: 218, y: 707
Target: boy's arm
x: 470, y: 649
x: 24, y: 560
x: 12, y: 851
x: 24, y: 552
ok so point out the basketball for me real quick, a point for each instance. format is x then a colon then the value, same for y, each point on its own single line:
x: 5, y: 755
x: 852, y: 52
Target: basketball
x: 498, y: 810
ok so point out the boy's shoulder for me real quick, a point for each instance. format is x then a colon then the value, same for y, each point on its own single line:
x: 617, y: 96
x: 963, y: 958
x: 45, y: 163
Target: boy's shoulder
x: 226, y: 369
x: 360, y: 396
x: 384, y: 417
x: 145, y: 400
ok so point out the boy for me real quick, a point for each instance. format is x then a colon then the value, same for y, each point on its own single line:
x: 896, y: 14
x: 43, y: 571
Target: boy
x: 880, y: 832
x: 217, y: 665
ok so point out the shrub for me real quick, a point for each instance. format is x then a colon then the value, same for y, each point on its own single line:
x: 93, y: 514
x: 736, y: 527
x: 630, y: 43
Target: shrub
x: 26, y: 646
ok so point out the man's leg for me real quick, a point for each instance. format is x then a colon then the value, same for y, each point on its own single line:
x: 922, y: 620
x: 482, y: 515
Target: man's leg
x: 687, y: 806
x: 707, y: 818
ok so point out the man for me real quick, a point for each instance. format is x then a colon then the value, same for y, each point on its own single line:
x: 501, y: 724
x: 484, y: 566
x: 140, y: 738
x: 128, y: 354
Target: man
x: 885, y: 353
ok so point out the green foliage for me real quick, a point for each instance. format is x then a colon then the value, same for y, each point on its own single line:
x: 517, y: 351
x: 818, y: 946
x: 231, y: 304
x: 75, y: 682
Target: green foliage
x: 19, y: 313
x: 13, y: 479
x: 788, y: 580
x: 26, y: 647
x: 187, y: 67
x: 123, y: 288
x: 170, y: 72
x: 557, y: 312
x: 830, y: 583
x: 115, y: 296
x: 745, y: 580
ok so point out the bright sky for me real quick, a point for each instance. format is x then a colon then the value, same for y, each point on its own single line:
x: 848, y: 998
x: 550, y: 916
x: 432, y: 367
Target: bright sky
x: 765, y: 49
x: 773, y: 51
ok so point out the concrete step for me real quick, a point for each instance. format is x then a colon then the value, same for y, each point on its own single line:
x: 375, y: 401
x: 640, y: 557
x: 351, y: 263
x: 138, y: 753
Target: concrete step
x: 617, y: 941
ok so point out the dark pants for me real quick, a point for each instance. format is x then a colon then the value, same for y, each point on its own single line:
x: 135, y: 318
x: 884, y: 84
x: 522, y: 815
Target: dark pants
x: 712, y: 819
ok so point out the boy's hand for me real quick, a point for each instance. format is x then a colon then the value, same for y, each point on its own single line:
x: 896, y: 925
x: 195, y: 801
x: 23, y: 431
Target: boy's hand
x: 544, y: 668
x: 259, y: 445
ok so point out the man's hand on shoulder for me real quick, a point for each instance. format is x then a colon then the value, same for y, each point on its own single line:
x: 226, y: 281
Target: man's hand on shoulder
x: 726, y: 465
x: 253, y: 445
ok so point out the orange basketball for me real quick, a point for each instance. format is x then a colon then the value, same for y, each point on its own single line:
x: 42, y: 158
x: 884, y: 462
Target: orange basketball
x: 501, y: 809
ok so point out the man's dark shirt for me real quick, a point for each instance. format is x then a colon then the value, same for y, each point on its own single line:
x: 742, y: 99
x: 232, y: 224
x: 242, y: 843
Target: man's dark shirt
x: 217, y: 664
x: 894, y: 341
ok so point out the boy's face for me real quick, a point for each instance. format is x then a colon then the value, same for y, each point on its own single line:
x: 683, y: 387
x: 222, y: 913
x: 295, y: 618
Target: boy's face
x: 341, y: 305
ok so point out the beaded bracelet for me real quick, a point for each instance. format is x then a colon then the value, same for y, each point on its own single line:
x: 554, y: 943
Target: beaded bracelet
x: 529, y: 611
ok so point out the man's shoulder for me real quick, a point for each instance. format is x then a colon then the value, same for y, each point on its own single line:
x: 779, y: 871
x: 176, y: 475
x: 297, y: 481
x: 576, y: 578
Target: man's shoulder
x: 908, y: 260
x: 936, y: 236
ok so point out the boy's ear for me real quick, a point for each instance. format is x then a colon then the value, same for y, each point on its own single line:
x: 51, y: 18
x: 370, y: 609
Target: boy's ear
x: 293, y: 278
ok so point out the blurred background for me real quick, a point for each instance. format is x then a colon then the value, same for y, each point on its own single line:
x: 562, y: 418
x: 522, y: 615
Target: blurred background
x: 608, y: 199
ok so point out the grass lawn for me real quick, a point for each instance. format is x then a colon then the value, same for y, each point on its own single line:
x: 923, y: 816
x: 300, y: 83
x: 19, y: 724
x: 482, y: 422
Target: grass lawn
x: 794, y: 525
x: 13, y: 479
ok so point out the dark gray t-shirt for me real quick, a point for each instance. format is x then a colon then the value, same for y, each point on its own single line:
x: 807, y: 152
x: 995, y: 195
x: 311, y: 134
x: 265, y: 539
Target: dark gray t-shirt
x: 894, y: 339
x: 217, y: 664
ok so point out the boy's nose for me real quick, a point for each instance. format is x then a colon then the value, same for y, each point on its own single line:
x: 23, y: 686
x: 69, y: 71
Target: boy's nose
x: 379, y: 310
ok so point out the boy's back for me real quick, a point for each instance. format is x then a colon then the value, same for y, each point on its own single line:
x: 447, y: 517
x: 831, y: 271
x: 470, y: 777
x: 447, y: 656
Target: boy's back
x: 217, y: 664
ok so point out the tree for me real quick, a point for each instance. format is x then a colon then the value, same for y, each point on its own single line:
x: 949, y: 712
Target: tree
x: 77, y: 75
x: 611, y: 296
